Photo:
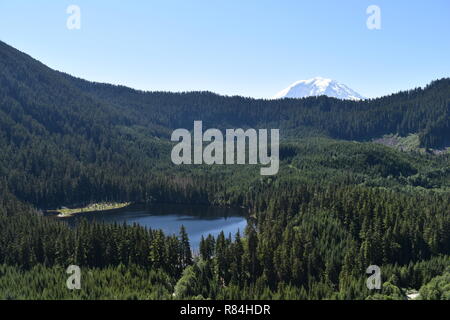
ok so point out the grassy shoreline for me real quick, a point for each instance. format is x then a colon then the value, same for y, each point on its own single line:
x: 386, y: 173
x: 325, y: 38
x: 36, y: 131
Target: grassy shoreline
x: 95, y: 207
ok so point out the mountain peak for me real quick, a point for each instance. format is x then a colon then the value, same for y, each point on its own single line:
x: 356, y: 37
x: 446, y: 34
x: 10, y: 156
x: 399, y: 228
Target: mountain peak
x: 318, y: 86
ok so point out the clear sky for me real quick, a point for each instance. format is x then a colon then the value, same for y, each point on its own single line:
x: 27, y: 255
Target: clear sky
x: 243, y: 47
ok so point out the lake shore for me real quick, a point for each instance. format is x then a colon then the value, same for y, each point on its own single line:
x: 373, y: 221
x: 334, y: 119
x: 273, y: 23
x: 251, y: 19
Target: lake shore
x: 96, y: 207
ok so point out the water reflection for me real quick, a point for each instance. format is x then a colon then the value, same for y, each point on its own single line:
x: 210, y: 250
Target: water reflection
x: 198, y: 220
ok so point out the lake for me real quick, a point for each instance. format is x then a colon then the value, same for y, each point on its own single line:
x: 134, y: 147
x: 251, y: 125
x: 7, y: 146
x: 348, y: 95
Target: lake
x: 198, y: 220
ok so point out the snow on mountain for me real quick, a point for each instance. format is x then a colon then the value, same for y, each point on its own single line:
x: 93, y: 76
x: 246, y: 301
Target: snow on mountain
x: 317, y: 87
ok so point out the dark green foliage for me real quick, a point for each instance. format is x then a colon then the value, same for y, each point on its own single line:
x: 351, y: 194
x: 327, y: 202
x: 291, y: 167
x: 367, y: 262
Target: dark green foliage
x: 438, y: 288
x: 68, y: 141
x: 111, y: 283
x: 27, y: 239
x: 335, y: 207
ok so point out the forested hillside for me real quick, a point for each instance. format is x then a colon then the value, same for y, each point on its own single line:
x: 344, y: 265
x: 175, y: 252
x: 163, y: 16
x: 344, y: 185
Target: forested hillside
x: 424, y: 111
x: 339, y: 203
x: 66, y: 140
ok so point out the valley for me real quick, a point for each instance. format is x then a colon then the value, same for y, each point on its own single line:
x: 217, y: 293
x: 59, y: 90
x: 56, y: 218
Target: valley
x: 338, y: 203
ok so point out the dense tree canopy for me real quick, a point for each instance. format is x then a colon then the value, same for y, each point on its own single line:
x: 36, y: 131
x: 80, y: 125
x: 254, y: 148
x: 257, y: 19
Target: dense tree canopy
x: 336, y: 206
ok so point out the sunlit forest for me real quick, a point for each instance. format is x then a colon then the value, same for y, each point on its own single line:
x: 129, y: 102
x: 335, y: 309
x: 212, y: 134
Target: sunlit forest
x: 342, y: 200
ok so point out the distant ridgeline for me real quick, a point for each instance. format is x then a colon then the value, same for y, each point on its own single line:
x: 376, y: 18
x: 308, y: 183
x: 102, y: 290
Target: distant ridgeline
x: 66, y: 140
x: 422, y: 111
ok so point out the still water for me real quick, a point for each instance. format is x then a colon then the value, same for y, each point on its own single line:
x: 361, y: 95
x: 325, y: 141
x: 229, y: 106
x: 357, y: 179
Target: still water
x: 198, y: 220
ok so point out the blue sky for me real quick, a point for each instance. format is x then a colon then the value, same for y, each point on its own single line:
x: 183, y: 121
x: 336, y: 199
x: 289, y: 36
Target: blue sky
x: 246, y: 47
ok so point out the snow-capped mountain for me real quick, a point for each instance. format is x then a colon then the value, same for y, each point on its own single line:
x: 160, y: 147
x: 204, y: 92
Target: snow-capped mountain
x: 317, y: 87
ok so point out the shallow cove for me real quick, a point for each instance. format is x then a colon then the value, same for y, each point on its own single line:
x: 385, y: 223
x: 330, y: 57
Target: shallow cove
x: 198, y: 220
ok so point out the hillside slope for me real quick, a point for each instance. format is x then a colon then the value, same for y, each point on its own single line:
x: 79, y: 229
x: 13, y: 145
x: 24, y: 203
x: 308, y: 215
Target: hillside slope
x: 319, y: 86
x: 34, y: 86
